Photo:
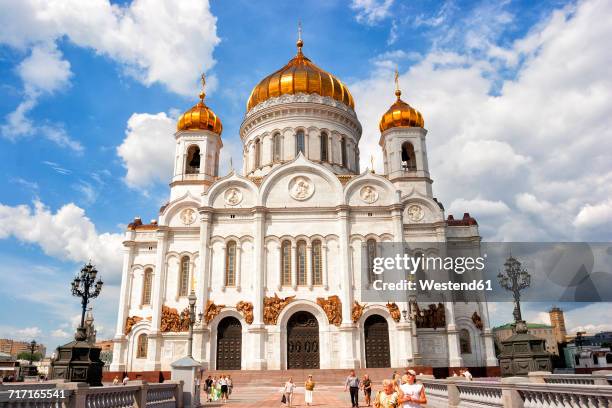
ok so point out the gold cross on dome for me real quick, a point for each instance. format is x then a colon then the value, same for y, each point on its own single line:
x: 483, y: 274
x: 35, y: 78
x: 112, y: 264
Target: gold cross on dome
x: 299, y: 30
x: 203, y: 92
x: 372, y: 163
x: 396, y: 80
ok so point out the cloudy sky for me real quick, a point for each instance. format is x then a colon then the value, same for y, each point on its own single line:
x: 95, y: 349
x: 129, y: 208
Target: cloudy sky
x: 517, y: 99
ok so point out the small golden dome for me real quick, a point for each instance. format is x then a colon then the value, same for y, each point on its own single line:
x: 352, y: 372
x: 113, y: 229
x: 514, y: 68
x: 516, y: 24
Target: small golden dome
x: 200, y: 117
x: 400, y: 114
x: 300, y: 75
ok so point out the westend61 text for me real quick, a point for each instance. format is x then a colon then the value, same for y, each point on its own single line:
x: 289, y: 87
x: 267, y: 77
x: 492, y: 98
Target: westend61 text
x: 431, y: 285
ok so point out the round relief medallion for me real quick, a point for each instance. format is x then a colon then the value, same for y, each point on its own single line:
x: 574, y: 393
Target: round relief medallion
x: 368, y: 194
x: 415, y: 213
x: 188, y: 216
x: 301, y: 188
x: 233, y: 196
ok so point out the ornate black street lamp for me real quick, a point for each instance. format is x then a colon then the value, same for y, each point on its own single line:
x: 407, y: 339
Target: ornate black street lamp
x: 85, y: 286
x: 32, y: 348
x: 192, y: 321
x: 515, y: 279
x: 522, y: 352
x: 79, y: 360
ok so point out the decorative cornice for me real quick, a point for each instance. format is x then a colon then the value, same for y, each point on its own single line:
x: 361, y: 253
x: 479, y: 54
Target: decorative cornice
x: 300, y: 97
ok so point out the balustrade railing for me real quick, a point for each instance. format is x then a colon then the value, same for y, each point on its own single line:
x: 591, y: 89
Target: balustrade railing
x: 480, y: 394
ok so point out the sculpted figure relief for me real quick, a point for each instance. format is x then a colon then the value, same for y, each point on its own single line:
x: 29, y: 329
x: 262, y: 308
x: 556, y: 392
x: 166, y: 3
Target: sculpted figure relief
x: 333, y: 309
x: 170, y: 320
x: 368, y: 194
x: 273, y: 306
x: 188, y: 216
x: 130, y: 321
x: 246, y: 308
x: 432, y: 317
x: 212, y: 311
x: 233, y: 196
x: 185, y: 320
x: 394, y: 311
x: 357, y: 311
x: 477, y: 321
x: 301, y: 188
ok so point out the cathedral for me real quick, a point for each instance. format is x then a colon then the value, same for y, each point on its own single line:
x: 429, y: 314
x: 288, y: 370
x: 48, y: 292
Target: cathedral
x: 274, y: 254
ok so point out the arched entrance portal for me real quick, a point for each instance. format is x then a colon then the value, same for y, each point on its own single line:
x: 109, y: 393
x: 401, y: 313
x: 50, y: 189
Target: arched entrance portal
x: 376, y: 334
x: 229, y: 344
x: 302, y: 341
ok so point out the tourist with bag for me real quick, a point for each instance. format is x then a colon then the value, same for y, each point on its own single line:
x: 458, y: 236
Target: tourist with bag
x: 366, y: 385
x: 288, y: 392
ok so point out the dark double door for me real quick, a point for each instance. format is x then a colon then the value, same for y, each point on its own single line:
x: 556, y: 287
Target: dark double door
x: 376, y: 333
x: 229, y: 344
x: 303, y: 341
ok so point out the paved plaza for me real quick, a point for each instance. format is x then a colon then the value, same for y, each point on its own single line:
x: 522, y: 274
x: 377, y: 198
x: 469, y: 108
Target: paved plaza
x: 265, y: 396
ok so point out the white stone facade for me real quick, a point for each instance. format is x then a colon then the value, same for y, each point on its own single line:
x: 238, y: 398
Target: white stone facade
x: 301, y: 200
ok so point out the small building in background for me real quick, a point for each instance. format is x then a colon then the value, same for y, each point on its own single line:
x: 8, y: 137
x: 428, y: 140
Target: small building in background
x: 14, y: 347
x: 557, y: 321
x: 9, y: 367
x: 541, y: 331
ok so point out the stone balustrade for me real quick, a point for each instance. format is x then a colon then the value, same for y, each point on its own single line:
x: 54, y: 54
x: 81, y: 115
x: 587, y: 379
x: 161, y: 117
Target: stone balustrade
x: 539, y: 390
x: 136, y: 394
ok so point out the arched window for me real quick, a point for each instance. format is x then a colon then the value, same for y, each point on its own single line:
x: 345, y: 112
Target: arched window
x: 408, y: 157
x: 317, y: 263
x: 147, y: 283
x: 343, y: 149
x: 595, y: 359
x: 276, y: 146
x: 286, y: 263
x: 371, y: 254
x: 465, y: 344
x: 216, y: 169
x: 301, y: 263
x: 184, y: 277
x: 230, y: 264
x: 257, y: 154
x: 193, y: 160
x: 300, y: 143
x: 324, y: 147
x: 141, y: 346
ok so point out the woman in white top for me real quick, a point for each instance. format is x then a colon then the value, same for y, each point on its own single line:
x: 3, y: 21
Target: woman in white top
x: 288, y: 391
x: 413, y: 393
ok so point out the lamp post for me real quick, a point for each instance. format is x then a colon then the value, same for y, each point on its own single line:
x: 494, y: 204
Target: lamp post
x: 32, y: 348
x: 192, y: 320
x: 515, y: 279
x: 85, y: 286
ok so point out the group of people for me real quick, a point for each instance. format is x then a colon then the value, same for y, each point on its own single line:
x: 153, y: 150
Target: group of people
x: 400, y: 391
x: 218, y: 388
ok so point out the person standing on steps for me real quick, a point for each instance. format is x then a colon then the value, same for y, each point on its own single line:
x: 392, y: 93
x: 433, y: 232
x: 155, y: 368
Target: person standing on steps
x: 366, y: 385
x: 352, y: 383
x: 288, y: 391
x: 308, y: 390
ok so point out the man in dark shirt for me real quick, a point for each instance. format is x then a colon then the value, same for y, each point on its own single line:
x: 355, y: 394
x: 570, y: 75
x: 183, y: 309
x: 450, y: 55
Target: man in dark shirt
x: 352, y: 383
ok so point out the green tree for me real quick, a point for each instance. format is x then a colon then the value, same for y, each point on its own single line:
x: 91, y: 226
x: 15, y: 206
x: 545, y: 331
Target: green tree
x: 25, y: 355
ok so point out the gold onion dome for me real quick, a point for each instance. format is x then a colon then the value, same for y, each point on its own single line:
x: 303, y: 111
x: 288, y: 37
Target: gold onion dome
x: 200, y: 117
x: 300, y: 75
x: 400, y: 114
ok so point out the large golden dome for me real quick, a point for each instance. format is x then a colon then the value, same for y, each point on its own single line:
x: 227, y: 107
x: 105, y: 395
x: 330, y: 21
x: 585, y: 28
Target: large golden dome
x: 200, y: 117
x: 400, y: 114
x: 300, y: 75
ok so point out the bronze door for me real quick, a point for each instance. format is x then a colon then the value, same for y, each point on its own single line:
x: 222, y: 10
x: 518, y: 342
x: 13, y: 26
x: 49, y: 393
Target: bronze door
x: 229, y: 344
x: 302, y: 341
x: 376, y: 333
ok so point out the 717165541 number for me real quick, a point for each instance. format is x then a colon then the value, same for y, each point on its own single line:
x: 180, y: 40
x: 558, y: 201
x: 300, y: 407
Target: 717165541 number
x: 37, y: 394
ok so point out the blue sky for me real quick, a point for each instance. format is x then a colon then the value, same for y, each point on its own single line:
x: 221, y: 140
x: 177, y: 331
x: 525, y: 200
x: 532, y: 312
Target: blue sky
x: 516, y: 97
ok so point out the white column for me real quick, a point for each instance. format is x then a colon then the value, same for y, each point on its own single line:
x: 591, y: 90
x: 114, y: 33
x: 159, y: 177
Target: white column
x: 238, y: 266
x: 324, y: 264
x: 201, y: 334
x: 348, y: 331
x: 294, y: 258
x: 155, y: 338
x: 309, y: 270
x: 487, y: 333
x: 257, y: 331
x: 277, y: 256
x: 223, y: 251
x: 454, y: 351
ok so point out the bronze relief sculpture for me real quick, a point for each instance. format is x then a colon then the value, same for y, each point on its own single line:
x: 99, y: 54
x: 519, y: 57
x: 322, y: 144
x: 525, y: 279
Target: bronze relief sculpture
x: 130, y: 321
x: 394, y: 311
x: 357, y: 311
x: 273, y: 306
x: 477, y: 321
x: 211, y: 311
x: 246, y: 309
x: 333, y: 309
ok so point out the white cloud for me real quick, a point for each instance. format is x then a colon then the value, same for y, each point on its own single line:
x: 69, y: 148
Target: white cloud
x: 539, y: 141
x: 148, y: 149
x: 68, y: 234
x: 478, y: 206
x: 44, y: 70
x: 60, y: 333
x: 371, y: 11
x: 28, y: 333
x: 156, y: 41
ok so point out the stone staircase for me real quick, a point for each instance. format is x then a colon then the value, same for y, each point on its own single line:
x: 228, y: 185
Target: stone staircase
x: 321, y: 377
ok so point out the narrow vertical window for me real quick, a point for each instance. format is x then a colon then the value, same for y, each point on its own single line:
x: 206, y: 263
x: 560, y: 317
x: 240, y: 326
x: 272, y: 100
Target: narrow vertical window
x: 343, y: 151
x: 465, y: 343
x: 147, y: 281
x: 276, y: 142
x: 216, y: 169
x: 324, y: 147
x: 300, y: 143
x: 286, y: 263
x: 317, y: 264
x: 257, y: 154
x: 301, y: 263
x: 184, y: 277
x: 230, y: 264
x: 193, y: 160
x: 371, y: 254
x: 141, y: 346
x: 408, y: 157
